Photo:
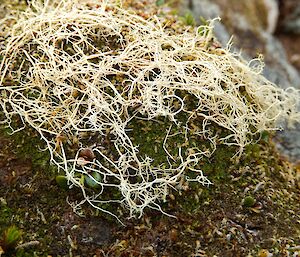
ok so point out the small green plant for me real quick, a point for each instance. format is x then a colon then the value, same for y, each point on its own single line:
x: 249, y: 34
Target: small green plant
x: 189, y: 19
x: 203, y: 21
x: 265, y: 136
x: 248, y: 201
x: 62, y: 181
x: 10, y: 238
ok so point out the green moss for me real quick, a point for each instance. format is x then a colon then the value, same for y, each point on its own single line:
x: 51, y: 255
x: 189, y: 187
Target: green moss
x: 149, y: 136
x: 28, y: 145
x: 10, y: 238
x: 252, y: 151
x: 220, y: 162
x: 159, y: 2
x: 248, y: 201
x: 5, y: 216
x: 189, y: 19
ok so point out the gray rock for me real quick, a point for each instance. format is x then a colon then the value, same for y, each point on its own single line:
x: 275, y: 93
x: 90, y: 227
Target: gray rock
x: 205, y: 8
x: 278, y: 69
x: 292, y: 21
x: 288, y: 143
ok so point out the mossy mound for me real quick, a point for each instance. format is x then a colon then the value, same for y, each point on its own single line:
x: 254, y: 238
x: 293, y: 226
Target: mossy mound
x: 138, y: 115
x: 211, y: 221
x: 84, y: 74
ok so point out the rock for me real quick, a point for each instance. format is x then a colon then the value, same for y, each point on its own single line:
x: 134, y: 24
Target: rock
x: 288, y: 143
x: 290, y: 16
x: 278, y: 68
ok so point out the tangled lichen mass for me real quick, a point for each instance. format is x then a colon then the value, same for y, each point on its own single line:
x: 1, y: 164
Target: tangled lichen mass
x: 81, y: 73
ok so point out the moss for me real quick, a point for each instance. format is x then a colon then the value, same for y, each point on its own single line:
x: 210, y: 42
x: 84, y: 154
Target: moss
x: 5, y: 215
x: 248, y: 201
x: 10, y: 238
x: 34, y: 210
x: 221, y: 162
x: 27, y: 144
x: 199, y: 210
x: 149, y: 136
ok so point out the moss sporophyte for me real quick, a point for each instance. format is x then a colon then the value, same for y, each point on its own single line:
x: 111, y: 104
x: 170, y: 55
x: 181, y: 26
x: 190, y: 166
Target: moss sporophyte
x: 85, y: 76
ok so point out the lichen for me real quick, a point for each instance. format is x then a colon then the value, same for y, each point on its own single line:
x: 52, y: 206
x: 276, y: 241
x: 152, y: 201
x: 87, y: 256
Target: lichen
x: 210, y: 219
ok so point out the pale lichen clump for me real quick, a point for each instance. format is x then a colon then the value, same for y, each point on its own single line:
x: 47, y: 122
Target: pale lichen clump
x: 79, y: 73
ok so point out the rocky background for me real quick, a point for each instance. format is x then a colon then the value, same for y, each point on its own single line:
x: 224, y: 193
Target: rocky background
x: 268, y: 27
